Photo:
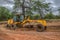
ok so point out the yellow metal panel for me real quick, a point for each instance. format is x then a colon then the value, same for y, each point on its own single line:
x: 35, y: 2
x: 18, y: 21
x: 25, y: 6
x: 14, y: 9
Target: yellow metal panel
x: 10, y: 21
x: 43, y: 22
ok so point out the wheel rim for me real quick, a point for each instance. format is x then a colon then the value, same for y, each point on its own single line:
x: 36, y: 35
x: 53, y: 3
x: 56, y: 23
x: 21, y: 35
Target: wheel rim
x: 40, y: 28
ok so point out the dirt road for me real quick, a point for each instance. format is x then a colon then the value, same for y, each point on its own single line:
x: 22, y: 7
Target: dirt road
x: 27, y: 35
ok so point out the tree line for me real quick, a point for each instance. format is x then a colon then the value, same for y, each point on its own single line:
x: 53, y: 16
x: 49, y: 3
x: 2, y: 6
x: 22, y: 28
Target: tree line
x: 39, y: 8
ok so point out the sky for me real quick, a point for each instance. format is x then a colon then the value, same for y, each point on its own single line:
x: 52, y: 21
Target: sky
x: 7, y: 3
x: 55, y: 4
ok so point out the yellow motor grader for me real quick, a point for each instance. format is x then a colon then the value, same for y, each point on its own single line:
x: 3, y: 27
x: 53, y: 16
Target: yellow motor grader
x: 19, y: 21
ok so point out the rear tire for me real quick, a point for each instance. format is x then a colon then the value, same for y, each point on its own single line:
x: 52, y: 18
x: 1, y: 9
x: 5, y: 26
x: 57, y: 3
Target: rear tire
x: 8, y: 26
x: 14, y: 27
x: 11, y: 27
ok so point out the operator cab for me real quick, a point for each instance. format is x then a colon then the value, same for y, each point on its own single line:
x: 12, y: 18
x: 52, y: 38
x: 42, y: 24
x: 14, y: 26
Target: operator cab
x: 18, y: 18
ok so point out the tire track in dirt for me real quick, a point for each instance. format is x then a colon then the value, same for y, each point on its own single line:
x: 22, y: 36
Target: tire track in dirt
x: 27, y: 35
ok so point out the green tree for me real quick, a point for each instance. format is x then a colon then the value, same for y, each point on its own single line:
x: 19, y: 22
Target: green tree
x: 40, y: 7
x: 4, y: 13
x: 50, y: 16
x: 59, y: 13
x: 17, y: 4
x: 37, y: 16
x: 34, y: 6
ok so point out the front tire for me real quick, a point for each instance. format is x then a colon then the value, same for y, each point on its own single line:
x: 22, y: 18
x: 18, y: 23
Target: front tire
x: 40, y: 28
